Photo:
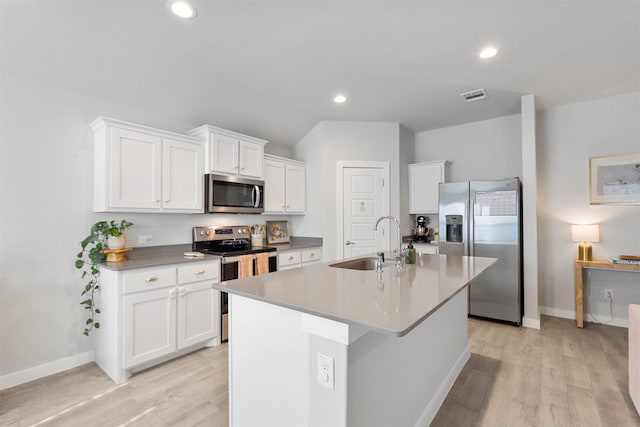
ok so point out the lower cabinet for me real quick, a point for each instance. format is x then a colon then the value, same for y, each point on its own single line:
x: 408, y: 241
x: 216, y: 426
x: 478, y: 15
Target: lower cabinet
x: 295, y: 258
x: 153, y: 314
x: 157, y: 323
x: 424, y: 248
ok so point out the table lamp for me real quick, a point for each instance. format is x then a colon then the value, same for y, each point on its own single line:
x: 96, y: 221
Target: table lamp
x: 585, y: 234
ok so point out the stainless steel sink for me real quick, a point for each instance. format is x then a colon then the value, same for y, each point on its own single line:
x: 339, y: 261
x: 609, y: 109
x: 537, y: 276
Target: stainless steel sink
x: 368, y: 263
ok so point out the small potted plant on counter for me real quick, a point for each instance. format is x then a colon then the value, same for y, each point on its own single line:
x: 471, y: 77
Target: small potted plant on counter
x: 103, y: 234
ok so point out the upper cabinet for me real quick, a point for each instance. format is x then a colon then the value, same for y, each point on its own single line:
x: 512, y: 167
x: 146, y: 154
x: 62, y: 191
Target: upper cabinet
x: 284, y: 185
x: 423, y: 185
x: 231, y: 153
x: 141, y: 169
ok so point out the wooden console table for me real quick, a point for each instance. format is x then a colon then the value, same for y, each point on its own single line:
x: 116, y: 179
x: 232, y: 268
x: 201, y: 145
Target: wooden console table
x: 597, y: 265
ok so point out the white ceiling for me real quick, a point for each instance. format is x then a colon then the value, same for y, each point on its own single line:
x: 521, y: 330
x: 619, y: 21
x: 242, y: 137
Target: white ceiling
x: 271, y: 68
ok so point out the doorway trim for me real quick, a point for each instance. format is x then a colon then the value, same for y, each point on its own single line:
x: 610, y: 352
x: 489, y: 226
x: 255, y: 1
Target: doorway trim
x: 341, y: 165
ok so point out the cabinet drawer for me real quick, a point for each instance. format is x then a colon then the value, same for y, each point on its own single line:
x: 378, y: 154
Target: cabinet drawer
x: 200, y: 271
x: 426, y: 249
x: 311, y: 254
x: 288, y: 258
x: 146, y: 279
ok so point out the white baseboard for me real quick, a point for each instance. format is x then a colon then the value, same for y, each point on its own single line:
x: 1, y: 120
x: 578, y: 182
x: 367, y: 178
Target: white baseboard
x: 49, y: 368
x: 434, y: 405
x: 531, y: 323
x: 570, y: 314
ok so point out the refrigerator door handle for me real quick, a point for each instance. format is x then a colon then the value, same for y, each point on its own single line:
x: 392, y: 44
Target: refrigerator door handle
x: 471, y: 227
x: 465, y: 225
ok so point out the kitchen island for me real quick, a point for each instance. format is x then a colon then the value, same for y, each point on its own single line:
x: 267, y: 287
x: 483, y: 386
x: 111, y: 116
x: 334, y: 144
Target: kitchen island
x: 322, y: 346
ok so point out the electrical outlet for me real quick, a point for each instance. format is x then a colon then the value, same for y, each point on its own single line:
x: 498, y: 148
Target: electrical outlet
x: 145, y: 239
x: 325, y: 370
x: 608, y: 294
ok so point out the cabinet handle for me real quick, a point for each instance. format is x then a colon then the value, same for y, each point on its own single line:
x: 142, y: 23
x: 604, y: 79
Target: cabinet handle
x: 172, y: 295
x: 167, y: 201
x: 312, y: 254
x: 157, y: 201
x: 182, y: 291
x: 151, y: 279
x: 290, y: 258
x: 199, y: 272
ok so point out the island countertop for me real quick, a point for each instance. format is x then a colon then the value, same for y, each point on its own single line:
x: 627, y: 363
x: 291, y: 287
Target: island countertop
x: 392, y: 302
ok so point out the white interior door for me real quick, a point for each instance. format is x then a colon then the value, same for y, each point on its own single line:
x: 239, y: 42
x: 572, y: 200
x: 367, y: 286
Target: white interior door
x: 363, y: 203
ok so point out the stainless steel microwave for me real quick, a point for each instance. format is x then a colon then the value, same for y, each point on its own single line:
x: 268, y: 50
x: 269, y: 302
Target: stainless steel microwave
x: 232, y: 194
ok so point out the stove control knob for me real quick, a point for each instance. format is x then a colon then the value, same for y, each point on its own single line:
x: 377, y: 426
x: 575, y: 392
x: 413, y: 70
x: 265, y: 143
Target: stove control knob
x: 241, y: 231
x: 208, y: 232
x: 202, y: 232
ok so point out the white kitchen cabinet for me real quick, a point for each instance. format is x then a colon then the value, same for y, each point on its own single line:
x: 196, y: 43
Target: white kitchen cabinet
x: 311, y: 255
x: 149, y: 326
x: 285, y: 186
x: 231, y: 153
x: 423, y: 185
x: 425, y: 248
x: 150, y: 315
x: 141, y: 169
x: 295, y: 258
x: 288, y: 260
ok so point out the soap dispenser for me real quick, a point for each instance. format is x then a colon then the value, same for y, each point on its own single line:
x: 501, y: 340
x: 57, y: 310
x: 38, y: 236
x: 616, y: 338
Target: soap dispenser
x: 410, y: 255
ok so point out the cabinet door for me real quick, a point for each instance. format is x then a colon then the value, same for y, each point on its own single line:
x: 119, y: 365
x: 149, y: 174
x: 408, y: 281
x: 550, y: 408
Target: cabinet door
x: 136, y: 162
x: 198, y: 313
x: 274, y: 186
x: 182, y: 171
x: 423, y: 187
x: 296, y: 189
x: 149, y: 325
x: 251, y: 159
x: 224, y: 154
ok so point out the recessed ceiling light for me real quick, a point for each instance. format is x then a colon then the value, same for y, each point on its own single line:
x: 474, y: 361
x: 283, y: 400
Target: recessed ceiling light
x: 488, y: 52
x: 183, y: 8
x: 339, y: 99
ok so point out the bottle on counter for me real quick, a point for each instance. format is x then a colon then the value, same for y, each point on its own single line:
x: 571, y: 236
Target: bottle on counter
x: 410, y: 254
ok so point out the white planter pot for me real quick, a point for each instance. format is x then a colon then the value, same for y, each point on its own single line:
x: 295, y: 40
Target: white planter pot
x: 117, y: 242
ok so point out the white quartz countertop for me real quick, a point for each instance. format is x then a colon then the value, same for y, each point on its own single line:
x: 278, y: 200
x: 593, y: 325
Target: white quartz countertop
x: 393, y: 302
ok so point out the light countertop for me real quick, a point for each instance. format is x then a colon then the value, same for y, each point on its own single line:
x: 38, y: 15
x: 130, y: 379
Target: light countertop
x: 393, y: 302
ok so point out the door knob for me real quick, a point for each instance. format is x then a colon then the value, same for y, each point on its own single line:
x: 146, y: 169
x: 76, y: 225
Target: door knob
x: 349, y: 243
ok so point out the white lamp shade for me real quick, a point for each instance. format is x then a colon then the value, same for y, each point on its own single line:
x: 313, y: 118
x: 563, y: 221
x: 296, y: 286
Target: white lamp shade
x: 585, y: 233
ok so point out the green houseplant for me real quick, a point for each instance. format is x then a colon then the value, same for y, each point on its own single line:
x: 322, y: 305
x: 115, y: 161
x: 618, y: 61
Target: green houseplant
x: 87, y: 261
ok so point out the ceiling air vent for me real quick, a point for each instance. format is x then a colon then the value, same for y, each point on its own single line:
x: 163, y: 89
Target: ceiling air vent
x: 474, y: 95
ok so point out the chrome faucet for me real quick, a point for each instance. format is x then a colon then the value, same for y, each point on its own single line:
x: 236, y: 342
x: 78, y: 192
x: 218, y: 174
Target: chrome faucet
x: 397, y: 253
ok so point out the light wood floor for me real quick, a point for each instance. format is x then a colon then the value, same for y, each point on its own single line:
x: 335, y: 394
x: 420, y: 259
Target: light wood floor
x: 558, y: 376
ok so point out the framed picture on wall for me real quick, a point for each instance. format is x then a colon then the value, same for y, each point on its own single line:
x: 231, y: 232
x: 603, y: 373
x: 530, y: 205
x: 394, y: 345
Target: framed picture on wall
x: 615, y: 180
x: 277, y: 232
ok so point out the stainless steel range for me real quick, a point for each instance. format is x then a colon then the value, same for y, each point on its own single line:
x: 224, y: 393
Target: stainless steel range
x: 229, y: 242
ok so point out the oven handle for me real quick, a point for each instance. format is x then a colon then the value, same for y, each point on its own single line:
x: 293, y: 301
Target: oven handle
x: 230, y: 259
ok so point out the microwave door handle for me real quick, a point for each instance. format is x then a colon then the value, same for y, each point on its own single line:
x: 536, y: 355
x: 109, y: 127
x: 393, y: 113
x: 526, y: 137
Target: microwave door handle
x: 256, y: 191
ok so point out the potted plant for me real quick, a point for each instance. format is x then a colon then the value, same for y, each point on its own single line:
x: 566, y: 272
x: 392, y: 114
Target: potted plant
x: 87, y: 261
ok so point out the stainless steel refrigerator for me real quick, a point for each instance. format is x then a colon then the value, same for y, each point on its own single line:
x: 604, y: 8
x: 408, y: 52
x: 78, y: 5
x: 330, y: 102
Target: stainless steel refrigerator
x: 484, y: 218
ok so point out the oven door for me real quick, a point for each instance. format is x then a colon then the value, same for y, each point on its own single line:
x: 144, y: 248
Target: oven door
x: 230, y: 268
x: 230, y: 194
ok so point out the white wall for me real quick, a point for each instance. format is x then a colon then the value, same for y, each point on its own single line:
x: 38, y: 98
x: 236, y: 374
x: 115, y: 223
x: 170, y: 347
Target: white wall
x: 46, y: 185
x: 567, y: 137
x: 322, y: 148
x: 485, y: 150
